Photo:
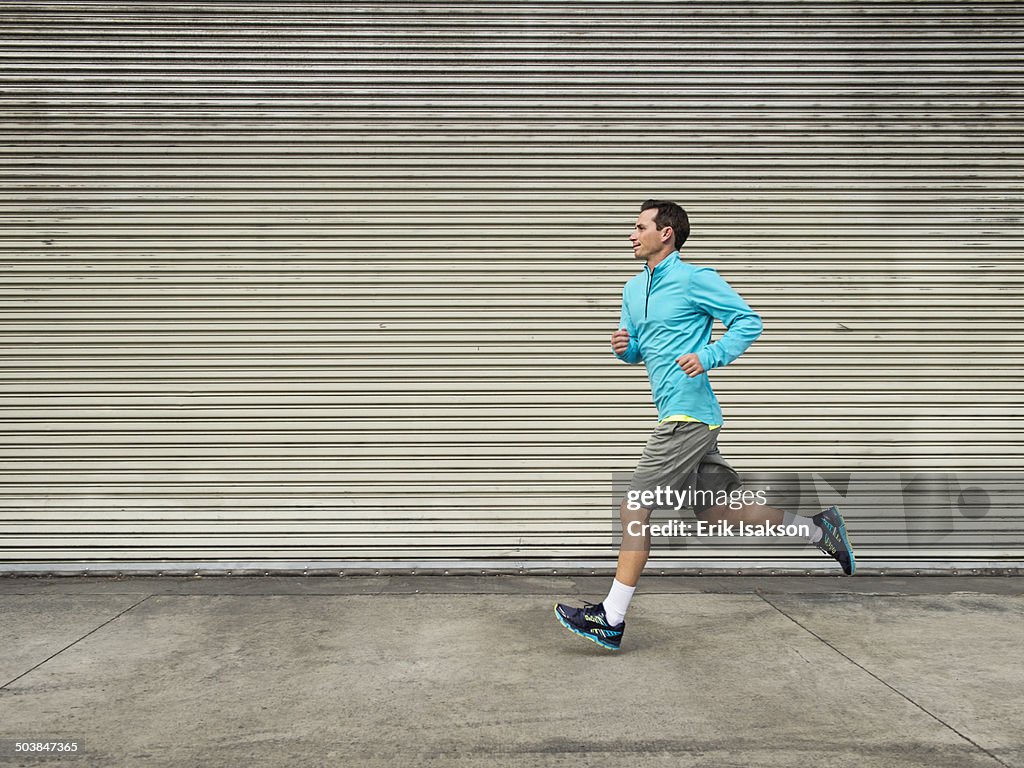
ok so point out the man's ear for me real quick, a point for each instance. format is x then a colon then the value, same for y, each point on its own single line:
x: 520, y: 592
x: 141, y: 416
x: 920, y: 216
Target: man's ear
x: 666, y: 233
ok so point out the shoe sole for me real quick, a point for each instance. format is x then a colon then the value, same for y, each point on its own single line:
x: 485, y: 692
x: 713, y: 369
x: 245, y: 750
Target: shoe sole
x: 846, y: 542
x: 575, y: 631
x: 849, y: 551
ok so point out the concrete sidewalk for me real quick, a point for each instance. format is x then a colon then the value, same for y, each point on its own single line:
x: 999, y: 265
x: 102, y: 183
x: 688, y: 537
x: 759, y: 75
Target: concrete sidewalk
x: 475, y: 671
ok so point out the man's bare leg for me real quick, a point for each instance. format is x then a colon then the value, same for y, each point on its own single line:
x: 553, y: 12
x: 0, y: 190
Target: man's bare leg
x: 634, y: 550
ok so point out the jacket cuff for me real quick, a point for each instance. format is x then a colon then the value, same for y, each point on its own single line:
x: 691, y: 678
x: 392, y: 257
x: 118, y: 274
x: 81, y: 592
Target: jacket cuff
x: 707, y: 358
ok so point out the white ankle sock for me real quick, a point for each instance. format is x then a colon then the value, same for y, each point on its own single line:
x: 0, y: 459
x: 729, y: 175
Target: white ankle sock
x: 617, y: 602
x: 788, y: 518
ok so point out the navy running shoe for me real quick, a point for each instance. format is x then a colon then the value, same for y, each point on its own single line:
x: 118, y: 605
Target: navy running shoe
x: 591, y: 623
x: 834, y: 541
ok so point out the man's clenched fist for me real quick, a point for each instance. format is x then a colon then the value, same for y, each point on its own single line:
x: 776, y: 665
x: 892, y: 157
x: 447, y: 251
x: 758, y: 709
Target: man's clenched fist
x: 620, y: 341
x: 690, y: 364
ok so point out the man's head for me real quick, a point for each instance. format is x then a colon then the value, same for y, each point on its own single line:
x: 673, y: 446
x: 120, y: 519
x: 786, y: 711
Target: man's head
x: 661, y: 228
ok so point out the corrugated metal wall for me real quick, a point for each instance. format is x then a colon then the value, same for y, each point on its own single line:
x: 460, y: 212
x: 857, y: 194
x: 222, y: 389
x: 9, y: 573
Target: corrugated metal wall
x: 333, y: 282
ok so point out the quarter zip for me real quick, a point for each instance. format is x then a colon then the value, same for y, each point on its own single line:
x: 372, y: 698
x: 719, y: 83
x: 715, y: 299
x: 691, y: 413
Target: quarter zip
x: 650, y: 279
x: 662, y: 265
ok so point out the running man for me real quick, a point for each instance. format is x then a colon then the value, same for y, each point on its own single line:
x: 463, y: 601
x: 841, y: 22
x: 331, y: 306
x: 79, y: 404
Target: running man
x: 667, y: 314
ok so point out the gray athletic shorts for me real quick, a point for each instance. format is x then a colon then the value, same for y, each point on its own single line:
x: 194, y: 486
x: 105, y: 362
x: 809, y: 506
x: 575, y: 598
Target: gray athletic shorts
x: 683, y: 456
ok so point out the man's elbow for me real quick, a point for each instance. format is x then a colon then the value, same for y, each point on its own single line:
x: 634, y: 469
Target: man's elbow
x: 756, y: 326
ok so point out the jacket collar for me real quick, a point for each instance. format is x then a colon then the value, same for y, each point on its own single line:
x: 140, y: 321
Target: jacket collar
x: 665, y: 264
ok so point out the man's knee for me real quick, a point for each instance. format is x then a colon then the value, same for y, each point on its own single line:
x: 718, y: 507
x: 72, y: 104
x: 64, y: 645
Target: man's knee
x: 636, y: 531
x: 635, y: 526
x: 629, y: 511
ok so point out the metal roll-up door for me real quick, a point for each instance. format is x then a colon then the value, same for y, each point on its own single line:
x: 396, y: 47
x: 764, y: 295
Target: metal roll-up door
x: 330, y: 285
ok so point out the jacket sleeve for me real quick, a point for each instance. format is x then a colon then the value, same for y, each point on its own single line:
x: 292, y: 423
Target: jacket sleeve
x: 717, y: 298
x: 632, y: 354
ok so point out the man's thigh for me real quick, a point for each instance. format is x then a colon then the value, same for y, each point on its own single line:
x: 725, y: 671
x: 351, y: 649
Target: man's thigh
x: 671, y: 458
x: 715, y: 482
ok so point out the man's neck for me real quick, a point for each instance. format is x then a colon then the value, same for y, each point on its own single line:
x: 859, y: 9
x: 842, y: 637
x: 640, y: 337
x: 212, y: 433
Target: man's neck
x: 656, y: 260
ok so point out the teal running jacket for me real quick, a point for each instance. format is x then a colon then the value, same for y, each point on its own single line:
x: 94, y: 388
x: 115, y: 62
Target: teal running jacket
x: 669, y: 312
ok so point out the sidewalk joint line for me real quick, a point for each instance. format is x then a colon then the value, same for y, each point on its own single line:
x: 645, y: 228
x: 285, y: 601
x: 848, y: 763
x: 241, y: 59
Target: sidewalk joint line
x: 892, y: 688
x: 75, y: 642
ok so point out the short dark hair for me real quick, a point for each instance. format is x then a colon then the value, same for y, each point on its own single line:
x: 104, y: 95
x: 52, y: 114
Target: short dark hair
x: 669, y: 215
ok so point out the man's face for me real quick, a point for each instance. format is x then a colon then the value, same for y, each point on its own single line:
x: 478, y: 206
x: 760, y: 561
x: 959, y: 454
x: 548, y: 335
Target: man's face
x: 647, y: 239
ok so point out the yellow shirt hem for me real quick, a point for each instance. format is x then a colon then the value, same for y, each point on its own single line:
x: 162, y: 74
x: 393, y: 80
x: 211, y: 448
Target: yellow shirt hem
x: 683, y: 417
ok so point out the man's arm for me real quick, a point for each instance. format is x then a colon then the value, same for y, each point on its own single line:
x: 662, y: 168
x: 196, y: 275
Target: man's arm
x: 716, y: 297
x: 624, y: 343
